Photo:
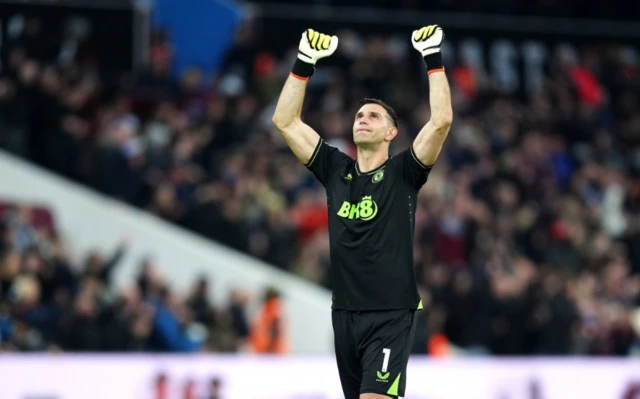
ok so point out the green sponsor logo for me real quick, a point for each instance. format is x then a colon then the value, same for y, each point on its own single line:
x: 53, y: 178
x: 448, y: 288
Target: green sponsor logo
x: 383, y: 377
x: 365, y: 210
x: 348, y: 177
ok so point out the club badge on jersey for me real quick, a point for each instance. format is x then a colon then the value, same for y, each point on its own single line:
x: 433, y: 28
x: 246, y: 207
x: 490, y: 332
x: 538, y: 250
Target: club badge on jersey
x: 378, y: 176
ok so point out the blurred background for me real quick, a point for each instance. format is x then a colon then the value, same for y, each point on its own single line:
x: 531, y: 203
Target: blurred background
x: 159, y: 240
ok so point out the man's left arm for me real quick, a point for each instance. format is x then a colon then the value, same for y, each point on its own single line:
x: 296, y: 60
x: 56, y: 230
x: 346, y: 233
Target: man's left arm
x: 428, y: 144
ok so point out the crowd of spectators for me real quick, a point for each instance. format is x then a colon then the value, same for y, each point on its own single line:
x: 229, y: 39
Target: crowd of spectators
x: 614, y: 9
x: 527, y: 232
x: 49, y: 301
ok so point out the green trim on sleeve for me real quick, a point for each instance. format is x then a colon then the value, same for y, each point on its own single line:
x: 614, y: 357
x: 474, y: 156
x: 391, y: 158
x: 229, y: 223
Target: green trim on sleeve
x: 315, y: 153
x: 413, y: 154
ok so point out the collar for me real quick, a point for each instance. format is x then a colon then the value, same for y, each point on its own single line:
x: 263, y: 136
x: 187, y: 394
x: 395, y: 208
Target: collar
x: 373, y: 171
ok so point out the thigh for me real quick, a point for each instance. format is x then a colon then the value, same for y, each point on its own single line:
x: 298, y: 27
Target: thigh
x: 349, y: 367
x: 385, y: 352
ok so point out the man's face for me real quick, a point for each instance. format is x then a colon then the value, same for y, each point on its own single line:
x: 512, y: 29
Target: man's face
x: 372, y: 126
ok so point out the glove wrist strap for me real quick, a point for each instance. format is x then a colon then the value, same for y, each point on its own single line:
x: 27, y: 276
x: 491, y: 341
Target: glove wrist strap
x: 434, y: 62
x: 302, y: 70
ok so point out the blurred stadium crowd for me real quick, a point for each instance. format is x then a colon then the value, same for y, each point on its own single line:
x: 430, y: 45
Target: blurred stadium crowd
x: 614, y: 9
x: 528, y: 231
x: 49, y: 303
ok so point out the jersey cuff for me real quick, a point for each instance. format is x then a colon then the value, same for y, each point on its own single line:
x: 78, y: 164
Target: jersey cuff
x: 413, y: 154
x: 315, y: 153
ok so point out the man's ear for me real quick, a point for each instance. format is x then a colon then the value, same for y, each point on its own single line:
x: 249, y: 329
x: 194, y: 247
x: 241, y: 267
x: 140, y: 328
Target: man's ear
x: 391, y: 133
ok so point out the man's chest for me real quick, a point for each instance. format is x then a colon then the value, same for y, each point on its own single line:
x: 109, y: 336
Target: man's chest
x: 353, y: 197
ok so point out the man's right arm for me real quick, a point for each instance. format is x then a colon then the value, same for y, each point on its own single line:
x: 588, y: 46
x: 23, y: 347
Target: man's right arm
x: 301, y: 138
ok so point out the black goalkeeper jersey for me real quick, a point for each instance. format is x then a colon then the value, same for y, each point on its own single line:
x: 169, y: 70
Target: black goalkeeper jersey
x: 371, y: 227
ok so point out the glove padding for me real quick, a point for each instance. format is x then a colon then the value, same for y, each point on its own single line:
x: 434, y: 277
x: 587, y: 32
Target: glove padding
x: 315, y: 45
x: 428, y: 39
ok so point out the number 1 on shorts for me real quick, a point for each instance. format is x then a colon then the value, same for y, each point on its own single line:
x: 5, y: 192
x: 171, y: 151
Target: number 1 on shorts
x: 385, y: 362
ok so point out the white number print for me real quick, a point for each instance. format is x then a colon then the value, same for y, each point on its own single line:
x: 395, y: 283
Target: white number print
x: 385, y: 362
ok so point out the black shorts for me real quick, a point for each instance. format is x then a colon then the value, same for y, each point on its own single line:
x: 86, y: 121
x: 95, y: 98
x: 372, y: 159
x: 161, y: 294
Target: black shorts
x: 372, y: 350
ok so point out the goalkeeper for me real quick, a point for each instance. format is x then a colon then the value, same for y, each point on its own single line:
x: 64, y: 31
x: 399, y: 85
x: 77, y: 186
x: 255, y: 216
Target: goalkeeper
x: 372, y: 205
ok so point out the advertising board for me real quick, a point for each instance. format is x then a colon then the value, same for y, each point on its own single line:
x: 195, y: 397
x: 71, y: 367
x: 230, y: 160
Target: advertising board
x: 248, y: 377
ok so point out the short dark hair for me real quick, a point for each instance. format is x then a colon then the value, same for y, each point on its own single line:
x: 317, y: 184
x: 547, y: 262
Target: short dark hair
x: 390, y: 111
